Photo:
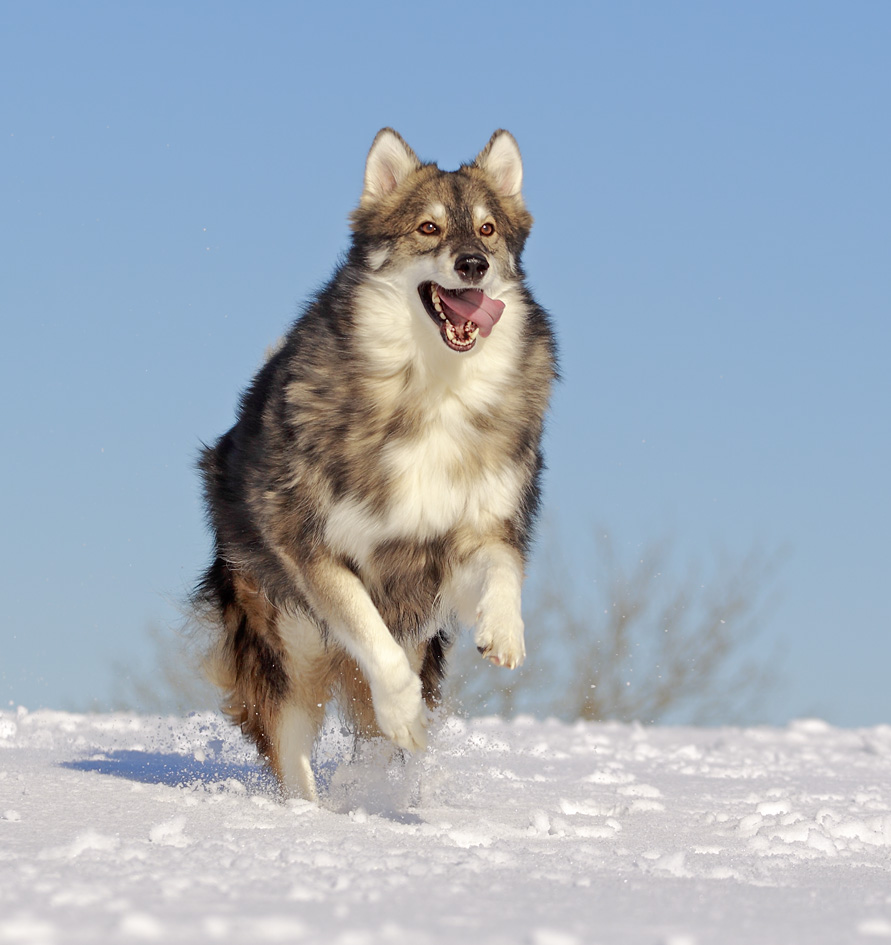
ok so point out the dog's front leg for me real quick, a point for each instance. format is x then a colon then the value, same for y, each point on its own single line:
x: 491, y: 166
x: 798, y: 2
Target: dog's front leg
x: 338, y: 597
x: 495, y: 575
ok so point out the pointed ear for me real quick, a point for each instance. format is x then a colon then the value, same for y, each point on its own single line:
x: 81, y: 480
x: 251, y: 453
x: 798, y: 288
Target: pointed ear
x: 500, y: 160
x: 390, y: 161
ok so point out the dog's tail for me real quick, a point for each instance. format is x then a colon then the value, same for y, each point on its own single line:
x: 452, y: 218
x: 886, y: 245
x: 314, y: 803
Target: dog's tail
x: 245, y: 659
x: 213, y: 602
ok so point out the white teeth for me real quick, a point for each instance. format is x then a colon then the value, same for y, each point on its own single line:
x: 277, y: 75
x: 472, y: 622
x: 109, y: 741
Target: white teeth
x: 469, y: 332
x: 434, y: 295
x: 466, y: 340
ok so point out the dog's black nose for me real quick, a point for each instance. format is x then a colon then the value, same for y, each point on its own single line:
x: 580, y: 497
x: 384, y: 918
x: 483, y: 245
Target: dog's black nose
x: 471, y: 267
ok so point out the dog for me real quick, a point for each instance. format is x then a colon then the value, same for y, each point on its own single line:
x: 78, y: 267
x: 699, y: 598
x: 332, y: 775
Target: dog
x: 379, y: 487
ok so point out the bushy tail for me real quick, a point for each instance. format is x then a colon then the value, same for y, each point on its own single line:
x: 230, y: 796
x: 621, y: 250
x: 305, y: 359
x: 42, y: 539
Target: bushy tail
x: 246, y: 659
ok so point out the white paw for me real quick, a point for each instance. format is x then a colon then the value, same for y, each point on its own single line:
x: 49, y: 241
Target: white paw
x: 401, y: 713
x: 500, y: 639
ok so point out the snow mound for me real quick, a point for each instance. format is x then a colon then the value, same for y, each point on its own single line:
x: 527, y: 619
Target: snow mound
x: 135, y: 829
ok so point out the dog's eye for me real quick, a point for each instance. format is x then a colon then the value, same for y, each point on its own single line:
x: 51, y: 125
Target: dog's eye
x: 487, y: 229
x: 428, y: 228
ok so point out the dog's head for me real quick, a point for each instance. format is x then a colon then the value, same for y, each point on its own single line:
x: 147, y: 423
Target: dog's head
x: 454, y: 238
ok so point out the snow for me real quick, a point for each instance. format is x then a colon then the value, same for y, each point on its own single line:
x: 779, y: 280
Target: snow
x: 121, y: 828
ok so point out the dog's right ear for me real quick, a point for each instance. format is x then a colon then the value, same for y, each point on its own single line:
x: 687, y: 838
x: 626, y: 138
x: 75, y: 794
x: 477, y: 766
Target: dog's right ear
x: 390, y: 161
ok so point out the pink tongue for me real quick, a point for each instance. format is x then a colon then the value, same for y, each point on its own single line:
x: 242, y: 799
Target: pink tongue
x: 472, y: 305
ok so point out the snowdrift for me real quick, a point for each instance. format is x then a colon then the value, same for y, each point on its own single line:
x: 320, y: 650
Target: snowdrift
x: 120, y: 828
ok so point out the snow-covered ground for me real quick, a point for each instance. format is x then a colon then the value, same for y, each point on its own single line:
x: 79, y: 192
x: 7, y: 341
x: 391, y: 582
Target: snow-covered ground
x: 117, y: 828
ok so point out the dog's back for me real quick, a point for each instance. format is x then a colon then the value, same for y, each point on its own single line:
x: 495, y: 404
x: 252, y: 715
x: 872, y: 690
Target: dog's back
x: 381, y: 481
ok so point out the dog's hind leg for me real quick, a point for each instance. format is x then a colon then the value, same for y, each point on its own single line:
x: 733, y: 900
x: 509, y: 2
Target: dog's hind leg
x: 296, y: 730
x: 273, y: 682
x: 300, y: 717
x: 433, y: 666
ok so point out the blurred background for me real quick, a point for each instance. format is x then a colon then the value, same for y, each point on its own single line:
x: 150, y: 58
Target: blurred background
x: 713, y: 237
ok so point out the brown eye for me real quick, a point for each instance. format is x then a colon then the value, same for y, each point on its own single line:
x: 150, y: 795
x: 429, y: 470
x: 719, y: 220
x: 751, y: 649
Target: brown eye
x: 487, y: 229
x: 428, y: 228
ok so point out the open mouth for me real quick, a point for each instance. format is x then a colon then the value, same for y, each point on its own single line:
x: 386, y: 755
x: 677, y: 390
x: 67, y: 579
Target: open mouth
x: 461, y: 314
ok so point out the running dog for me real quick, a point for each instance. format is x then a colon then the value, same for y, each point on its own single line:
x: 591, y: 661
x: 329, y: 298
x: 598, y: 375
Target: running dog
x: 380, y: 484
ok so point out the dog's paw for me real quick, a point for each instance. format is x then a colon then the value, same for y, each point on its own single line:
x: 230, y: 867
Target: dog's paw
x: 401, y: 714
x: 500, y: 640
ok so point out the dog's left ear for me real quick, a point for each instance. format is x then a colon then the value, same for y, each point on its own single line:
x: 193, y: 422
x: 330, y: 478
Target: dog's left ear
x: 390, y: 161
x: 500, y: 160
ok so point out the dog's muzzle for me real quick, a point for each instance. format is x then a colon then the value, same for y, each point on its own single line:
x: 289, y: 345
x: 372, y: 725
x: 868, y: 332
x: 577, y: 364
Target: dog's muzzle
x: 461, y: 314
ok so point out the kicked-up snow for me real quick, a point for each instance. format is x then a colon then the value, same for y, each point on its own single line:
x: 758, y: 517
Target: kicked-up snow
x: 120, y: 828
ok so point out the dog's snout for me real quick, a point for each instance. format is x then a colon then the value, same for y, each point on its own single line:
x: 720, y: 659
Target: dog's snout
x: 471, y: 266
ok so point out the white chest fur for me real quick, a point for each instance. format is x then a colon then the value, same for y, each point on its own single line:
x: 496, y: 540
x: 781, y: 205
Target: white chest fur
x: 444, y: 476
x: 448, y: 476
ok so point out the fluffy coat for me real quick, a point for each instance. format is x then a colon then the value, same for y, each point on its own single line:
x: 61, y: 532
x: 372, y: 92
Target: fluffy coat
x: 380, y: 484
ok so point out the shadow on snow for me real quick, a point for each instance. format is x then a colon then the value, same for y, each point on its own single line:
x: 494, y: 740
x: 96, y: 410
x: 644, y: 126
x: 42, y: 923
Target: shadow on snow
x: 373, y: 778
x: 174, y: 770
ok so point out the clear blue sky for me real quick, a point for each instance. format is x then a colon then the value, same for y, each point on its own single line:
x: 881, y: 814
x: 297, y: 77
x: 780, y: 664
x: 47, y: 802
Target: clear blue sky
x: 711, y: 189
